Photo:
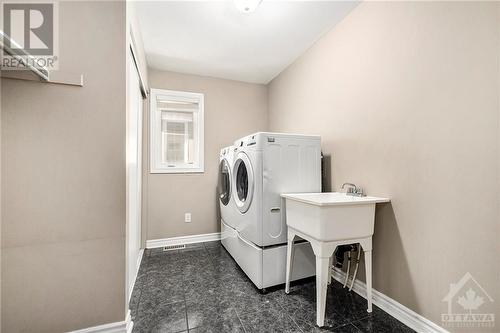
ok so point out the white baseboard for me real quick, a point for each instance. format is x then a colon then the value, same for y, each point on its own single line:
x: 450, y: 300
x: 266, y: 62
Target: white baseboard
x: 118, y: 327
x: 139, y: 260
x: 405, y: 315
x: 154, y: 243
x: 129, y: 324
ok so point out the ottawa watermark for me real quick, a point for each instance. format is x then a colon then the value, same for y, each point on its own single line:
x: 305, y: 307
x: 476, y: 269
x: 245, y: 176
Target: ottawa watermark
x: 468, y: 305
x: 30, y: 35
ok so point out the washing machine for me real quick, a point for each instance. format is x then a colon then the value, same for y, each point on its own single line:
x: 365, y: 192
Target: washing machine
x: 265, y: 165
x: 225, y: 188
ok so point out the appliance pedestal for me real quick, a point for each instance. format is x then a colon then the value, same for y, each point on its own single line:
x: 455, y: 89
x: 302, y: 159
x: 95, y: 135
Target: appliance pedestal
x: 266, y: 267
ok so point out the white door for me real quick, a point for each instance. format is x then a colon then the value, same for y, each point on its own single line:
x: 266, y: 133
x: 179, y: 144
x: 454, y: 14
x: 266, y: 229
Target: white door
x: 134, y: 175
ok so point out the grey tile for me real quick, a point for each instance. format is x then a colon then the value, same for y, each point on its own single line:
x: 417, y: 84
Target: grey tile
x: 220, y: 328
x: 164, y: 256
x: 162, y: 277
x: 194, y: 257
x: 165, y: 292
x: 302, y: 308
x: 350, y: 305
x: 212, y: 245
x: 349, y: 328
x: 213, y: 281
x: 234, y: 285
x: 347, y: 303
x: 197, y: 268
x: 224, y: 272
x: 143, y: 269
x: 268, y: 321
x: 165, y: 321
x: 138, y: 286
x: 307, y: 321
x: 202, y: 286
x: 165, y: 262
x: 380, y: 321
x: 305, y: 293
x: 141, y: 276
x: 341, y: 307
x: 226, y: 266
x: 134, y: 301
x: 193, y: 246
x: 196, y: 289
x: 220, y: 252
x: 211, y: 313
x: 161, y: 317
x: 166, y: 266
x: 140, y: 326
x: 297, y: 300
x: 194, y: 250
x: 252, y: 302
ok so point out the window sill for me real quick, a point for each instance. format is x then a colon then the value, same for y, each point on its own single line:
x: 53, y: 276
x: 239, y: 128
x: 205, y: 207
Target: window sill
x: 177, y: 171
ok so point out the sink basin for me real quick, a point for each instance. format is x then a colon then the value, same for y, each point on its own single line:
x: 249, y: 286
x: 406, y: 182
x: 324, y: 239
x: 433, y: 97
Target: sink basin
x: 331, y: 216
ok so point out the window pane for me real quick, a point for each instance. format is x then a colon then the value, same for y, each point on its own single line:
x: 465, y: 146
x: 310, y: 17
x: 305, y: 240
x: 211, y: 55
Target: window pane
x: 178, y: 138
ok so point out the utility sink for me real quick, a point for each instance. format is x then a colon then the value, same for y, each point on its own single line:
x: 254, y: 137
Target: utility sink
x: 331, y: 216
x: 327, y: 220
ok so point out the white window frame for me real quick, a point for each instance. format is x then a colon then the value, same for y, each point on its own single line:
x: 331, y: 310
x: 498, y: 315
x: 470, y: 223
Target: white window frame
x: 155, y: 145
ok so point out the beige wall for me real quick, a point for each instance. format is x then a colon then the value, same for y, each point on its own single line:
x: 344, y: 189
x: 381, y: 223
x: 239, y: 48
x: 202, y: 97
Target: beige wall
x: 406, y: 99
x: 63, y: 194
x: 232, y: 110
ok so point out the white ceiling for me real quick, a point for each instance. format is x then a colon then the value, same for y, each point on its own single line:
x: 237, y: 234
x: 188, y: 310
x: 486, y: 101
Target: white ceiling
x: 212, y: 38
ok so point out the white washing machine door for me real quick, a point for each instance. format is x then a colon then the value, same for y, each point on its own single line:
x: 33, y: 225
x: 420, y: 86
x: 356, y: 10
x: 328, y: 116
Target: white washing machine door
x: 224, y: 182
x: 243, y: 181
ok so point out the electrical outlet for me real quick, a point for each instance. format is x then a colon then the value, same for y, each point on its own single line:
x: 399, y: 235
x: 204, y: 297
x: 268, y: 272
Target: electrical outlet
x: 187, y: 217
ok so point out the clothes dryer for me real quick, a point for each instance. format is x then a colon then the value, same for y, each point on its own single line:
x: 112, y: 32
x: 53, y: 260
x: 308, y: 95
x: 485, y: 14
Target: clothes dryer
x: 265, y: 166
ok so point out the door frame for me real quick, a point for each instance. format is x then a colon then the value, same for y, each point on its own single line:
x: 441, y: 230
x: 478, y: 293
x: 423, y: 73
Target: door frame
x: 131, y: 61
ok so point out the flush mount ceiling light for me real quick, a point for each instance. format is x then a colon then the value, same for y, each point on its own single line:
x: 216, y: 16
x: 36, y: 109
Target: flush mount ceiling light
x: 247, y: 6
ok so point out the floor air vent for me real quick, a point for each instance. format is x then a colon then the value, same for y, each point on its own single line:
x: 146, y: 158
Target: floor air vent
x: 174, y: 247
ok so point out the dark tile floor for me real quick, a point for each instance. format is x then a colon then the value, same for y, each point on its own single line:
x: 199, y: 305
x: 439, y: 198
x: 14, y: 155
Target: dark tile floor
x: 201, y: 289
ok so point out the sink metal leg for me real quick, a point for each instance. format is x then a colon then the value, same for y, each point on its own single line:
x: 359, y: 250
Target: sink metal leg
x: 368, y: 268
x: 290, y: 254
x: 322, y: 267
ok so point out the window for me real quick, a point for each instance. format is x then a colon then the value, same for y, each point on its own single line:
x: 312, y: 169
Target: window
x: 176, y: 131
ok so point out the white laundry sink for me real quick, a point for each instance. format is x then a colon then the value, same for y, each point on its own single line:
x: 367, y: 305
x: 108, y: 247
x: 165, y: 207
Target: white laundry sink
x: 331, y: 216
x: 328, y: 220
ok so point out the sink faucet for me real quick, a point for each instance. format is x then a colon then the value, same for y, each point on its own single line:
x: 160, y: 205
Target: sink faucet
x: 353, y: 190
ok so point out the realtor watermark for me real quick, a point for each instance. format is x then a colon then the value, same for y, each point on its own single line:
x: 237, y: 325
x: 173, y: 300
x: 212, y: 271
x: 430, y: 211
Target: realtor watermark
x: 468, y: 305
x: 30, y: 35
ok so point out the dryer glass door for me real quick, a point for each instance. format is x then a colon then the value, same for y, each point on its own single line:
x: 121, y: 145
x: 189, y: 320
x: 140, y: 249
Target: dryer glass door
x: 224, y: 182
x: 243, y: 182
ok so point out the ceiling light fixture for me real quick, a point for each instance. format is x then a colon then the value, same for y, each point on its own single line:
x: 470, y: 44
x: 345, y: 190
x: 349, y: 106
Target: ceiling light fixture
x: 247, y: 6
